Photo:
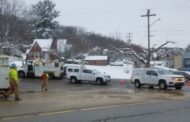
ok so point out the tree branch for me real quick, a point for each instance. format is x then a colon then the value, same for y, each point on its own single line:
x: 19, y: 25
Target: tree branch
x: 132, y: 51
x: 161, y: 46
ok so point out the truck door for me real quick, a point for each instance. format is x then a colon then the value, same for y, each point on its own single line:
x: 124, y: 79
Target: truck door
x: 38, y: 70
x: 152, y: 77
x: 86, y: 74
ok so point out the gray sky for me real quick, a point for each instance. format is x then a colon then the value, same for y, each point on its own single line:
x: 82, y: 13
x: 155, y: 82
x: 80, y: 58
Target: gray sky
x: 117, y: 18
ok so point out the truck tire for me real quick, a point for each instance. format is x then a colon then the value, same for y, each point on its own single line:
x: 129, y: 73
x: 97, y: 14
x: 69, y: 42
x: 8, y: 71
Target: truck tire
x: 73, y: 80
x: 21, y: 74
x: 99, y: 81
x: 137, y: 84
x: 51, y: 75
x: 178, y: 87
x: 162, y: 85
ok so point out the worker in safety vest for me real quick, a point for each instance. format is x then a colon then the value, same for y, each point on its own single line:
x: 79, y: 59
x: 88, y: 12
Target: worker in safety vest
x: 13, y: 82
x: 44, y: 78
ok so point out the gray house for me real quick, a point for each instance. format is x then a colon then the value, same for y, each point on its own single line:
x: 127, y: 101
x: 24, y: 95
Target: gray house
x: 182, y: 61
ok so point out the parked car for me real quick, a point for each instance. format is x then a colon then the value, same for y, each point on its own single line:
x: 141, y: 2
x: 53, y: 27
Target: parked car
x: 78, y: 73
x: 186, y: 69
x: 156, y: 77
x: 185, y: 74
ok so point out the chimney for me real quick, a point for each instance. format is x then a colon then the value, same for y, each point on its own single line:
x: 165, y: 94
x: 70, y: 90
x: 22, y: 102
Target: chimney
x: 54, y: 43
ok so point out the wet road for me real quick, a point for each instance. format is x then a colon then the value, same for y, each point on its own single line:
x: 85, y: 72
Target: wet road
x: 175, y: 111
x: 34, y: 85
x: 117, y: 101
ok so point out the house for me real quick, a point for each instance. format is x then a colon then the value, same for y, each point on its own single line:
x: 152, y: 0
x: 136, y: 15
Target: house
x: 96, y: 60
x: 46, y: 49
x: 181, y: 61
x: 11, y: 51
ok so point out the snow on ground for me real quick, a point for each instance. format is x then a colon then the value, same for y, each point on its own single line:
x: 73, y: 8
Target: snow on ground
x: 116, y: 72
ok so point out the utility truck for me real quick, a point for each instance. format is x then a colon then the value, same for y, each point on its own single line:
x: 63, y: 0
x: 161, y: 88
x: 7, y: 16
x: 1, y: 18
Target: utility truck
x: 33, y: 68
x: 156, y: 77
x: 4, y: 70
x: 77, y: 73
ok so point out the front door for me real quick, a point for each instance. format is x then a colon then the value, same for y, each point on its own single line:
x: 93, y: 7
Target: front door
x: 152, y: 77
x: 86, y: 74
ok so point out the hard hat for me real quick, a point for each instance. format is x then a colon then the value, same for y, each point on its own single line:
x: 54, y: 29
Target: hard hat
x: 13, y: 65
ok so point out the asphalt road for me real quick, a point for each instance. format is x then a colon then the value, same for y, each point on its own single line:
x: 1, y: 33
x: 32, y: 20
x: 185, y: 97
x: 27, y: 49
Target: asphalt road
x: 170, y: 111
x: 118, y: 101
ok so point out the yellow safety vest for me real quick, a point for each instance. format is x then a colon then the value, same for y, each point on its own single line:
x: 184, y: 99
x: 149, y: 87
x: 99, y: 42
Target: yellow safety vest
x: 14, y: 75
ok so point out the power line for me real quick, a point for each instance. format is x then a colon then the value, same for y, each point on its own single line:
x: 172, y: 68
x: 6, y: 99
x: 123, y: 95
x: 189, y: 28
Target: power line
x: 129, y: 36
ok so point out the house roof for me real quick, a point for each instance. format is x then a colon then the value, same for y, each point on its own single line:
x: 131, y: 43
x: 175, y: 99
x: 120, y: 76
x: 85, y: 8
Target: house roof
x: 45, y: 44
x: 96, y: 58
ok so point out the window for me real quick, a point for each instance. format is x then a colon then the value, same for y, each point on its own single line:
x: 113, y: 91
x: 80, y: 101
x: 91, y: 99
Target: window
x: 76, y: 70
x: 70, y: 70
x: 151, y: 72
x: 87, y: 71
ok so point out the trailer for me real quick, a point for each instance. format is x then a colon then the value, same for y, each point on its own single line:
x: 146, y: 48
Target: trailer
x: 4, y: 71
x: 34, y: 68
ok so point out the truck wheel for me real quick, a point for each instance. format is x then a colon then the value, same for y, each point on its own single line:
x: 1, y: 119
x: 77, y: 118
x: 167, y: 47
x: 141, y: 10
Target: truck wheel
x: 51, y: 75
x: 73, y: 80
x: 137, y: 84
x: 99, y: 81
x: 162, y: 85
x: 21, y: 74
x: 178, y: 87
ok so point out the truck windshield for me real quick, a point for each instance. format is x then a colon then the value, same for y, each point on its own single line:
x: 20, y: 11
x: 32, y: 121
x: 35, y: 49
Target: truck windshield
x: 165, y: 72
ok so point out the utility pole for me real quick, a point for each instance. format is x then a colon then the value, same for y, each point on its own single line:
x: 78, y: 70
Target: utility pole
x: 148, y: 15
x: 129, y: 36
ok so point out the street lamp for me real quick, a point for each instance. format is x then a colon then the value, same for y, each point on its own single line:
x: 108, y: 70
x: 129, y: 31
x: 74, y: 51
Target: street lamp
x: 155, y: 22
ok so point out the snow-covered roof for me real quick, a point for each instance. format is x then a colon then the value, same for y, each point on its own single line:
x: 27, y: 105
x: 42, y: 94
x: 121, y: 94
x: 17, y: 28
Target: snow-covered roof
x: 45, y: 44
x: 27, y: 51
x: 96, y: 58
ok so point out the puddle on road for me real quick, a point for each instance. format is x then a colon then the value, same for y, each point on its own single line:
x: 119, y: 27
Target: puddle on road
x: 171, y: 92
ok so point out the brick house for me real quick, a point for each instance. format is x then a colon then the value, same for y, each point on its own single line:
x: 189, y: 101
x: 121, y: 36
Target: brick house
x: 96, y: 60
x: 45, y: 49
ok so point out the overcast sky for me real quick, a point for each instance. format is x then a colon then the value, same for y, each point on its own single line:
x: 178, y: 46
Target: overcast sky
x: 119, y: 17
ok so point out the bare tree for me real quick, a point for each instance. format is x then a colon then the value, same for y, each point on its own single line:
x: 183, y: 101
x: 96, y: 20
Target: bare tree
x: 142, y: 57
x: 12, y: 23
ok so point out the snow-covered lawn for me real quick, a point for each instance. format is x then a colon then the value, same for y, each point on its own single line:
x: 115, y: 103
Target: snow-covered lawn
x: 116, y: 72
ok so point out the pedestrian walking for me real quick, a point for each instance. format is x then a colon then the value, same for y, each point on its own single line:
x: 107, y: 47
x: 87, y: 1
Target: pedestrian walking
x: 44, y: 78
x: 13, y: 83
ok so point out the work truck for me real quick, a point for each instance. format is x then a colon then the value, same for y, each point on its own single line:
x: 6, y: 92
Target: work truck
x: 156, y: 77
x: 78, y: 73
x: 32, y: 68
x: 4, y: 70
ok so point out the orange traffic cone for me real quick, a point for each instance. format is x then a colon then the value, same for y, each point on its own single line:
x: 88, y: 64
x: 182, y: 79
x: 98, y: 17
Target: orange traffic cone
x: 122, y: 82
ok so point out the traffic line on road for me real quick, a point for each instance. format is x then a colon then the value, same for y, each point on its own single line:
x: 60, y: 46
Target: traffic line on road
x: 56, y: 112
x: 17, y: 117
x: 101, y: 107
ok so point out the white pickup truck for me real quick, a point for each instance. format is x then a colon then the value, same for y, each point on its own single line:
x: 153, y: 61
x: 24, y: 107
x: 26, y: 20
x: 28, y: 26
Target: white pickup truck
x: 77, y: 73
x: 156, y: 77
